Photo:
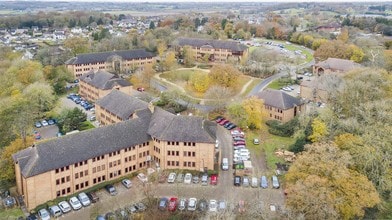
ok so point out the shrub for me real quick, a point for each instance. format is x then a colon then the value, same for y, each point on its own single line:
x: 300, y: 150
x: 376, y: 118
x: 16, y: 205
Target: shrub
x: 284, y: 130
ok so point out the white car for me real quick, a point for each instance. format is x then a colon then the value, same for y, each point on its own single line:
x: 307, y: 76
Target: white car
x: 142, y: 177
x: 75, y: 203
x: 127, y: 183
x: 213, y: 206
x: 64, y: 206
x: 44, y: 214
x: 192, y: 204
x: 182, y: 204
x: 188, y: 178
x: 171, y: 178
x: 44, y: 123
x: 83, y: 198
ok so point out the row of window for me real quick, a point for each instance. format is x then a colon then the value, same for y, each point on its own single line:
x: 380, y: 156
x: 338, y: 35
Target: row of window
x: 114, y: 153
x: 189, y: 154
x: 63, y: 192
x: 178, y: 143
x: 190, y: 144
x: 145, y: 153
x: 80, y: 163
x: 173, y: 153
x: 114, y: 174
x: 62, y: 169
x: 99, y: 179
x: 278, y: 117
x: 81, y: 174
x: 185, y: 164
x: 114, y: 163
x: 63, y: 180
x: 129, y: 169
x: 157, y: 149
x: 189, y: 164
x: 99, y: 168
x: 173, y: 163
x: 81, y: 185
x: 98, y: 158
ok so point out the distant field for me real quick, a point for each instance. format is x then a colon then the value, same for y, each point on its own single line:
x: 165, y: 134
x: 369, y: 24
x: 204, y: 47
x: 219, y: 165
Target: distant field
x: 10, y: 12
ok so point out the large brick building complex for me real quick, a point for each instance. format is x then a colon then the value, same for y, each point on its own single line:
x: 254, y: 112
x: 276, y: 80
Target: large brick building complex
x: 114, y: 61
x: 216, y: 50
x: 75, y: 162
x: 98, y: 83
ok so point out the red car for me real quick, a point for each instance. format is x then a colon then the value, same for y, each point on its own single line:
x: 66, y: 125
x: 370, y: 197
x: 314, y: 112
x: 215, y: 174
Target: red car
x: 236, y: 143
x: 214, y: 179
x: 224, y: 121
x: 172, y: 204
x: 140, y: 89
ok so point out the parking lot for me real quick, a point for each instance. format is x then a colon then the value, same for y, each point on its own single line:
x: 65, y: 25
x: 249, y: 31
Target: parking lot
x: 257, y: 200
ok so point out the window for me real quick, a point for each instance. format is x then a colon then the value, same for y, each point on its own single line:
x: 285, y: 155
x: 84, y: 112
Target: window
x: 103, y: 167
x: 86, y: 172
x: 177, y: 153
x: 82, y: 185
x: 57, y: 170
x: 81, y: 174
x: 58, y: 182
x: 68, y: 178
x: 193, y: 154
x: 68, y: 189
x: 94, y: 181
x: 58, y: 193
x: 103, y: 178
x: 98, y: 168
x: 63, y: 192
x: 86, y: 183
x: 67, y: 167
x: 62, y: 179
x: 110, y: 164
x: 94, y: 170
x: 76, y: 175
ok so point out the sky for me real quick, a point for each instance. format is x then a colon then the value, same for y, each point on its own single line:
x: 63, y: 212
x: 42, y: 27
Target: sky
x: 374, y: 1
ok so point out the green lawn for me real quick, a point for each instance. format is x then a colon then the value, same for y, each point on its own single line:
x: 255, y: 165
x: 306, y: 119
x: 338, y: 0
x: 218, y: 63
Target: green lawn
x: 251, y: 86
x: 276, y: 84
x: 179, y: 75
x: 13, y: 213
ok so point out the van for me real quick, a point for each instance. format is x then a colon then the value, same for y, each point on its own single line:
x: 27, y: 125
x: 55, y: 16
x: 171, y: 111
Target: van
x: 55, y: 211
x: 263, y: 182
x: 225, y: 164
x: 254, y: 182
x: 275, y: 182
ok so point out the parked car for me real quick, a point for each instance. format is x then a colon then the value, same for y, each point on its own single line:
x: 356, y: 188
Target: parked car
x: 132, y: 209
x: 204, y: 179
x: 188, y: 178
x: 203, y: 205
x: 228, y: 124
x: 140, y: 207
x: 223, y: 122
x: 236, y: 143
x: 275, y: 182
x: 142, y: 177
x: 32, y: 217
x: 254, y: 182
x: 127, y: 183
x: 232, y: 126
x: 192, y: 204
x: 214, y: 179
x: 222, y: 205
x: 83, y: 198
x: 162, y: 205
x: 195, y: 179
x: 51, y: 122
x: 38, y: 124
x: 263, y: 182
x: 237, y: 181
x: 219, y: 119
x: 37, y: 135
x: 140, y: 89
x: 182, y: 204
x: 93, y: 197
x: 241, y: 206
x: 213, y: 205
x: 64, y: 206
x: 121, y: 214
x: 245, y: 181
x: 171, y: 178
x: 256, y: 141
x: 44, y: 123
x: 237, y: 138
x: 172, y: 204
x: 43, y: 214
x: 55, y: 211
x: 111, y: 189
x: 100, y: 217
x: 180, y: 178
x: 75, y: 203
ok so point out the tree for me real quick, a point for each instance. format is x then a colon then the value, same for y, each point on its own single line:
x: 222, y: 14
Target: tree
x: 320, y: 185
x: 71, y: 119
x: 388, y: 60
x: 219, y: 94
x: 77, y: 45
x: 6, y: 162
x: 343, y: 36
x: 319, y: 130
x: 26, y: 71
x: 143, y: 78
x: 41, y: 97
x: 152, y: 25
x: 224, y: 75
x: 200, y: 81
x: 254, y: 109
x: 189, y: 59
x: 170, y: 60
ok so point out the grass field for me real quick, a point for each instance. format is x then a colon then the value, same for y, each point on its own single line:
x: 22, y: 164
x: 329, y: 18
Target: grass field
x: 251, y: 86
x: 13, y: 213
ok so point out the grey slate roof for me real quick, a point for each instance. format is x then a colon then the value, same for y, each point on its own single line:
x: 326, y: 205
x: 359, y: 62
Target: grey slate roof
x: 104, y: 56
x: 278, y: 99
x: 69, y: 149
x: 121, y: 104
x: 338, y: 64
x: 169, y: 127
x: 73, y: 148
x: 103, y: 80
x: 196, y: 42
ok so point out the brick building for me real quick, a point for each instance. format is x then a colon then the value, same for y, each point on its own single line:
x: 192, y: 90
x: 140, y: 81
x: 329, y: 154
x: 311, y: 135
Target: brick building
x: 98, y: 83
x: 114, y: 61
x: 280, y: 105
x: 216, y: 50
x: 72, y: 163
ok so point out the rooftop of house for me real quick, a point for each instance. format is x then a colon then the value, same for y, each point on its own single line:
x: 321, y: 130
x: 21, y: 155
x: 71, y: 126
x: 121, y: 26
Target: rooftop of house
x: 121, y: 104
x: 105, y: 56
x: 55, y: 153
x: 222, y: 44
x: 278, y: 99
x: 103, y: 80
x: 338, y: 64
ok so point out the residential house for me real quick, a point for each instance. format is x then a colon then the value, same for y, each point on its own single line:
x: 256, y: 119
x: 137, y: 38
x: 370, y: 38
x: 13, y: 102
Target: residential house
x: 115, y: 61
x: 72, y: 163
x: 328, y: 28
x: 280, y: 105
x: 98, y: 83
x: 318, y: 88
x: 334, y: 65
x: 216, y: 50
x: 117, y: 106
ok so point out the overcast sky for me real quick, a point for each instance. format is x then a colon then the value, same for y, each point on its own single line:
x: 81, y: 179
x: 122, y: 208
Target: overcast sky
x: 373, y: 1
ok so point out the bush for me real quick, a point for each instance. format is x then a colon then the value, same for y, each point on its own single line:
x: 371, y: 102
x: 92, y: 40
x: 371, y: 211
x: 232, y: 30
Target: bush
x: 284, y: 130
x: 299, y: 144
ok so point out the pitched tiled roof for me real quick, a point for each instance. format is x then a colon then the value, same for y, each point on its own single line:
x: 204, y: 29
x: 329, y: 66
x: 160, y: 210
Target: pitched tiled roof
x: 221, y: 44
x: 104, y: 56
x: 69, y: 149
x: 73, y: 148
x: 121, y: 104
x: 169, y: 127
x: 103, y: 80
x: 338, y: 64
x: 278, y: 99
